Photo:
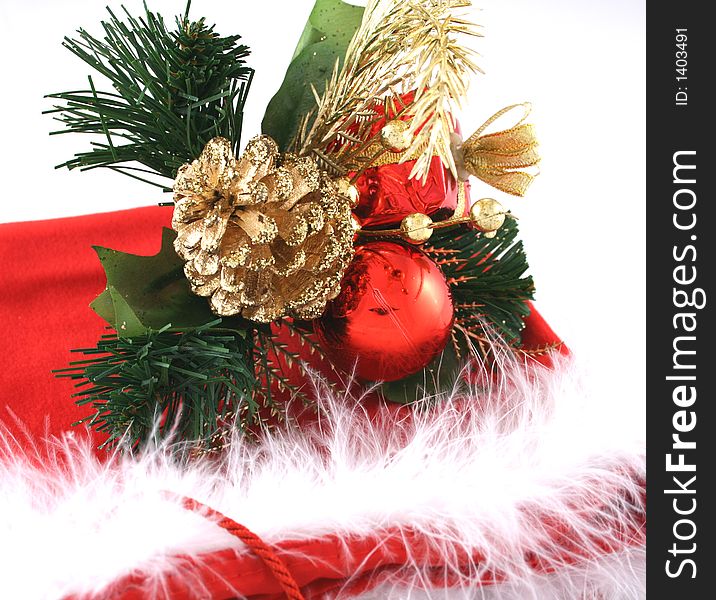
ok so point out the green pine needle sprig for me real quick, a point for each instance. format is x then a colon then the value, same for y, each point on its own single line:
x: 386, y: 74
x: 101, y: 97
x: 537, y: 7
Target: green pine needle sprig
x: 192, y: 385
x: 487, y: 280
x: 171, y: 92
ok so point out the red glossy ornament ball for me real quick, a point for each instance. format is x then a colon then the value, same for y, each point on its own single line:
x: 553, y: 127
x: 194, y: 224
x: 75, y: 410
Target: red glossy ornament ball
x: 392, y: 317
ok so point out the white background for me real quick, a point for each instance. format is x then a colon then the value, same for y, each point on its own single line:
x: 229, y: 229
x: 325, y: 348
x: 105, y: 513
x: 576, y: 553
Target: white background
x: 581, y: 63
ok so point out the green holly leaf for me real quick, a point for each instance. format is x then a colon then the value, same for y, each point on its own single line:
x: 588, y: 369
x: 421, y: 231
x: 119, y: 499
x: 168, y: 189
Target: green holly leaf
x: 148, y: 292
x: 436, y: 379
x: 126, y: 321
x: 324, y: 41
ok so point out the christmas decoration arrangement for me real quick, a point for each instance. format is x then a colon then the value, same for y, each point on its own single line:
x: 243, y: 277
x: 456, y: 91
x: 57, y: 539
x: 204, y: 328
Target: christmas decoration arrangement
x: 335, y: 345
x: 347, y: 223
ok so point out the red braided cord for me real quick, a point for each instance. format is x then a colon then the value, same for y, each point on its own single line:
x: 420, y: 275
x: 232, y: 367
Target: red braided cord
x: 254, y: 542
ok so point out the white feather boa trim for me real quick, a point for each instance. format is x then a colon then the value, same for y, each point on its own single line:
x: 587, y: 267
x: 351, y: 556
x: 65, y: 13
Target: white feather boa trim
x: 471, y: 476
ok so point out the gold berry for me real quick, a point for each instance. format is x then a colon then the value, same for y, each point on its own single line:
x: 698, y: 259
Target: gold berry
x: 416, y: 228
x: 395, y: 136
x: 487, y: 215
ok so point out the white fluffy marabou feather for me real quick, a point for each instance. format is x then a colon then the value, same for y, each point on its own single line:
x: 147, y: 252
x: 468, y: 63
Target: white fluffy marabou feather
x: 468, y: 476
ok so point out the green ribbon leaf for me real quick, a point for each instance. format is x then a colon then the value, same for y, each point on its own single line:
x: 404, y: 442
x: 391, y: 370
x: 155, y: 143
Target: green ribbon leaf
x: 435, y: 380
x: 148, y: 292
x: 126, y: 321
x: 324, y: 41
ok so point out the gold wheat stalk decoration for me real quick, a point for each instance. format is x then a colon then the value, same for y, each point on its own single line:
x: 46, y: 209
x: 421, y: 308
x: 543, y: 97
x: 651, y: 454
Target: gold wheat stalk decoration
x: 401, y: 46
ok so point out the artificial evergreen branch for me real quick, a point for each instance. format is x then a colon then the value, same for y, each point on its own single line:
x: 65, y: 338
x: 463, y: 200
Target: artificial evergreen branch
x: 274, y: 363
x: 172, y: 92
x: 180, y: 385
x: 487, y: 282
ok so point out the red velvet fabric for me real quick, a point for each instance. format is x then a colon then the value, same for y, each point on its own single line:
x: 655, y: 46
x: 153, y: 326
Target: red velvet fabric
x: 49, y: 276
x: 324, y: 566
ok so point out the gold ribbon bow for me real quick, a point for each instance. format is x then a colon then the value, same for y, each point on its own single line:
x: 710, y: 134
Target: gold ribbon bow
x: 499, y: 158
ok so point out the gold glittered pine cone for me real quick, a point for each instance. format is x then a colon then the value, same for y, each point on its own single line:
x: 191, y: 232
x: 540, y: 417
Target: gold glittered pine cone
x: 265, y: 236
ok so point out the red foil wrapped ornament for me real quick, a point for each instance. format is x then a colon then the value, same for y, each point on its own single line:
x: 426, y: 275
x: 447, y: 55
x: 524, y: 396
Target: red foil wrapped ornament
x: 387, y: 194
x: 393, y: 316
